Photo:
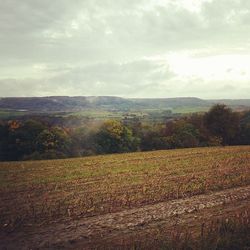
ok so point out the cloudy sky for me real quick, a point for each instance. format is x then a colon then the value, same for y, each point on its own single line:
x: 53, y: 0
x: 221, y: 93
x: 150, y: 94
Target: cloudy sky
x: 128, y: 48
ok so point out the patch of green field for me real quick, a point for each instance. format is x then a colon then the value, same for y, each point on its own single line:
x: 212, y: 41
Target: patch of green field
x: 101, y: 114
x: 144, y: 113
x: 186, y: 110
x: 105, y: 114
x: 9, y: 113
x: 39, y: 190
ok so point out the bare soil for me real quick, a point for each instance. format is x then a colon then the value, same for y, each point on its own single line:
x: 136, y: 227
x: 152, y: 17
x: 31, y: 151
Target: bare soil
x: 120, y: 229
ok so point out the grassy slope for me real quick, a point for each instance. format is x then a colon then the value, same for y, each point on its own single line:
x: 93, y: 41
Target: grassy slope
x: 39, y: 191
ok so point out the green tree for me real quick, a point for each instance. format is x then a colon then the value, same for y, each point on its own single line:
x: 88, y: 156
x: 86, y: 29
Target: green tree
x: 21, y: 138
x: 154, y: 138
x: 114, y: 137
x: 53, y: 143
x: 244, y: 133
x: 182, y: 134
x: 4, y: 134
x: 223, y: 123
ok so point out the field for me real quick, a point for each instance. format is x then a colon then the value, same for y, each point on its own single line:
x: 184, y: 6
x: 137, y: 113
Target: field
x: 103, y: 114
x: 38, y: 193
x: 5, y: 114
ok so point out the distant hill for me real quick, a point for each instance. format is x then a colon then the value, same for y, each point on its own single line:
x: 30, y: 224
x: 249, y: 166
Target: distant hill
x: 61, y: 103
x: 78, y: 103
x: 160, y: 103
x: 233, y: 102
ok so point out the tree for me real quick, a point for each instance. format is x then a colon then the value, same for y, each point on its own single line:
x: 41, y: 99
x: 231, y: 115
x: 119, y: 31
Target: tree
x: 53, y: 143
x: 182, y: 134
x: 244, y: 133
x: 114, y: 137
x: 222, y: 122
x: 27, y: 134
x: 4, y: 134
x: 153, y: 138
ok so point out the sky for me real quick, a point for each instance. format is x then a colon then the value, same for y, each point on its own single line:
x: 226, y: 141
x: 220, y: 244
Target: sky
x: 127, y: 48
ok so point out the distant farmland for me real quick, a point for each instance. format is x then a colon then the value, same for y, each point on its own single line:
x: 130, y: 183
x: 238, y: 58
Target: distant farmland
x: 38, y: 193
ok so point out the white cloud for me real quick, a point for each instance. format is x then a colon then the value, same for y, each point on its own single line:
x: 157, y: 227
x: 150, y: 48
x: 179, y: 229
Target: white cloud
x: 214, y: 67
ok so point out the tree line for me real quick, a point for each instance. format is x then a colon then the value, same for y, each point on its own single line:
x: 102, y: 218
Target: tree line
x: 33, y: 139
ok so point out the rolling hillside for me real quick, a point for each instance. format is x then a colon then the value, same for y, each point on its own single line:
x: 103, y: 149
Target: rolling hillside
x: 80, y: 103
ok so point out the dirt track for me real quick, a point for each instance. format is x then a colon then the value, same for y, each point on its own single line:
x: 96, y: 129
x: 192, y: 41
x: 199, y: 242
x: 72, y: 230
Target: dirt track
x: 95, y: 231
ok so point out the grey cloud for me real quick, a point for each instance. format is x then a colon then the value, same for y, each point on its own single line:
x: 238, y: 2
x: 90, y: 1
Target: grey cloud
x: 117, y: 78
x: 120, y: 79
x: 44, y: 30
x: 73, y: 37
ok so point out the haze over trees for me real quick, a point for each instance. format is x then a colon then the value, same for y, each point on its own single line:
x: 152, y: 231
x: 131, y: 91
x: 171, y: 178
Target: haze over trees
x: 34, y: 139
